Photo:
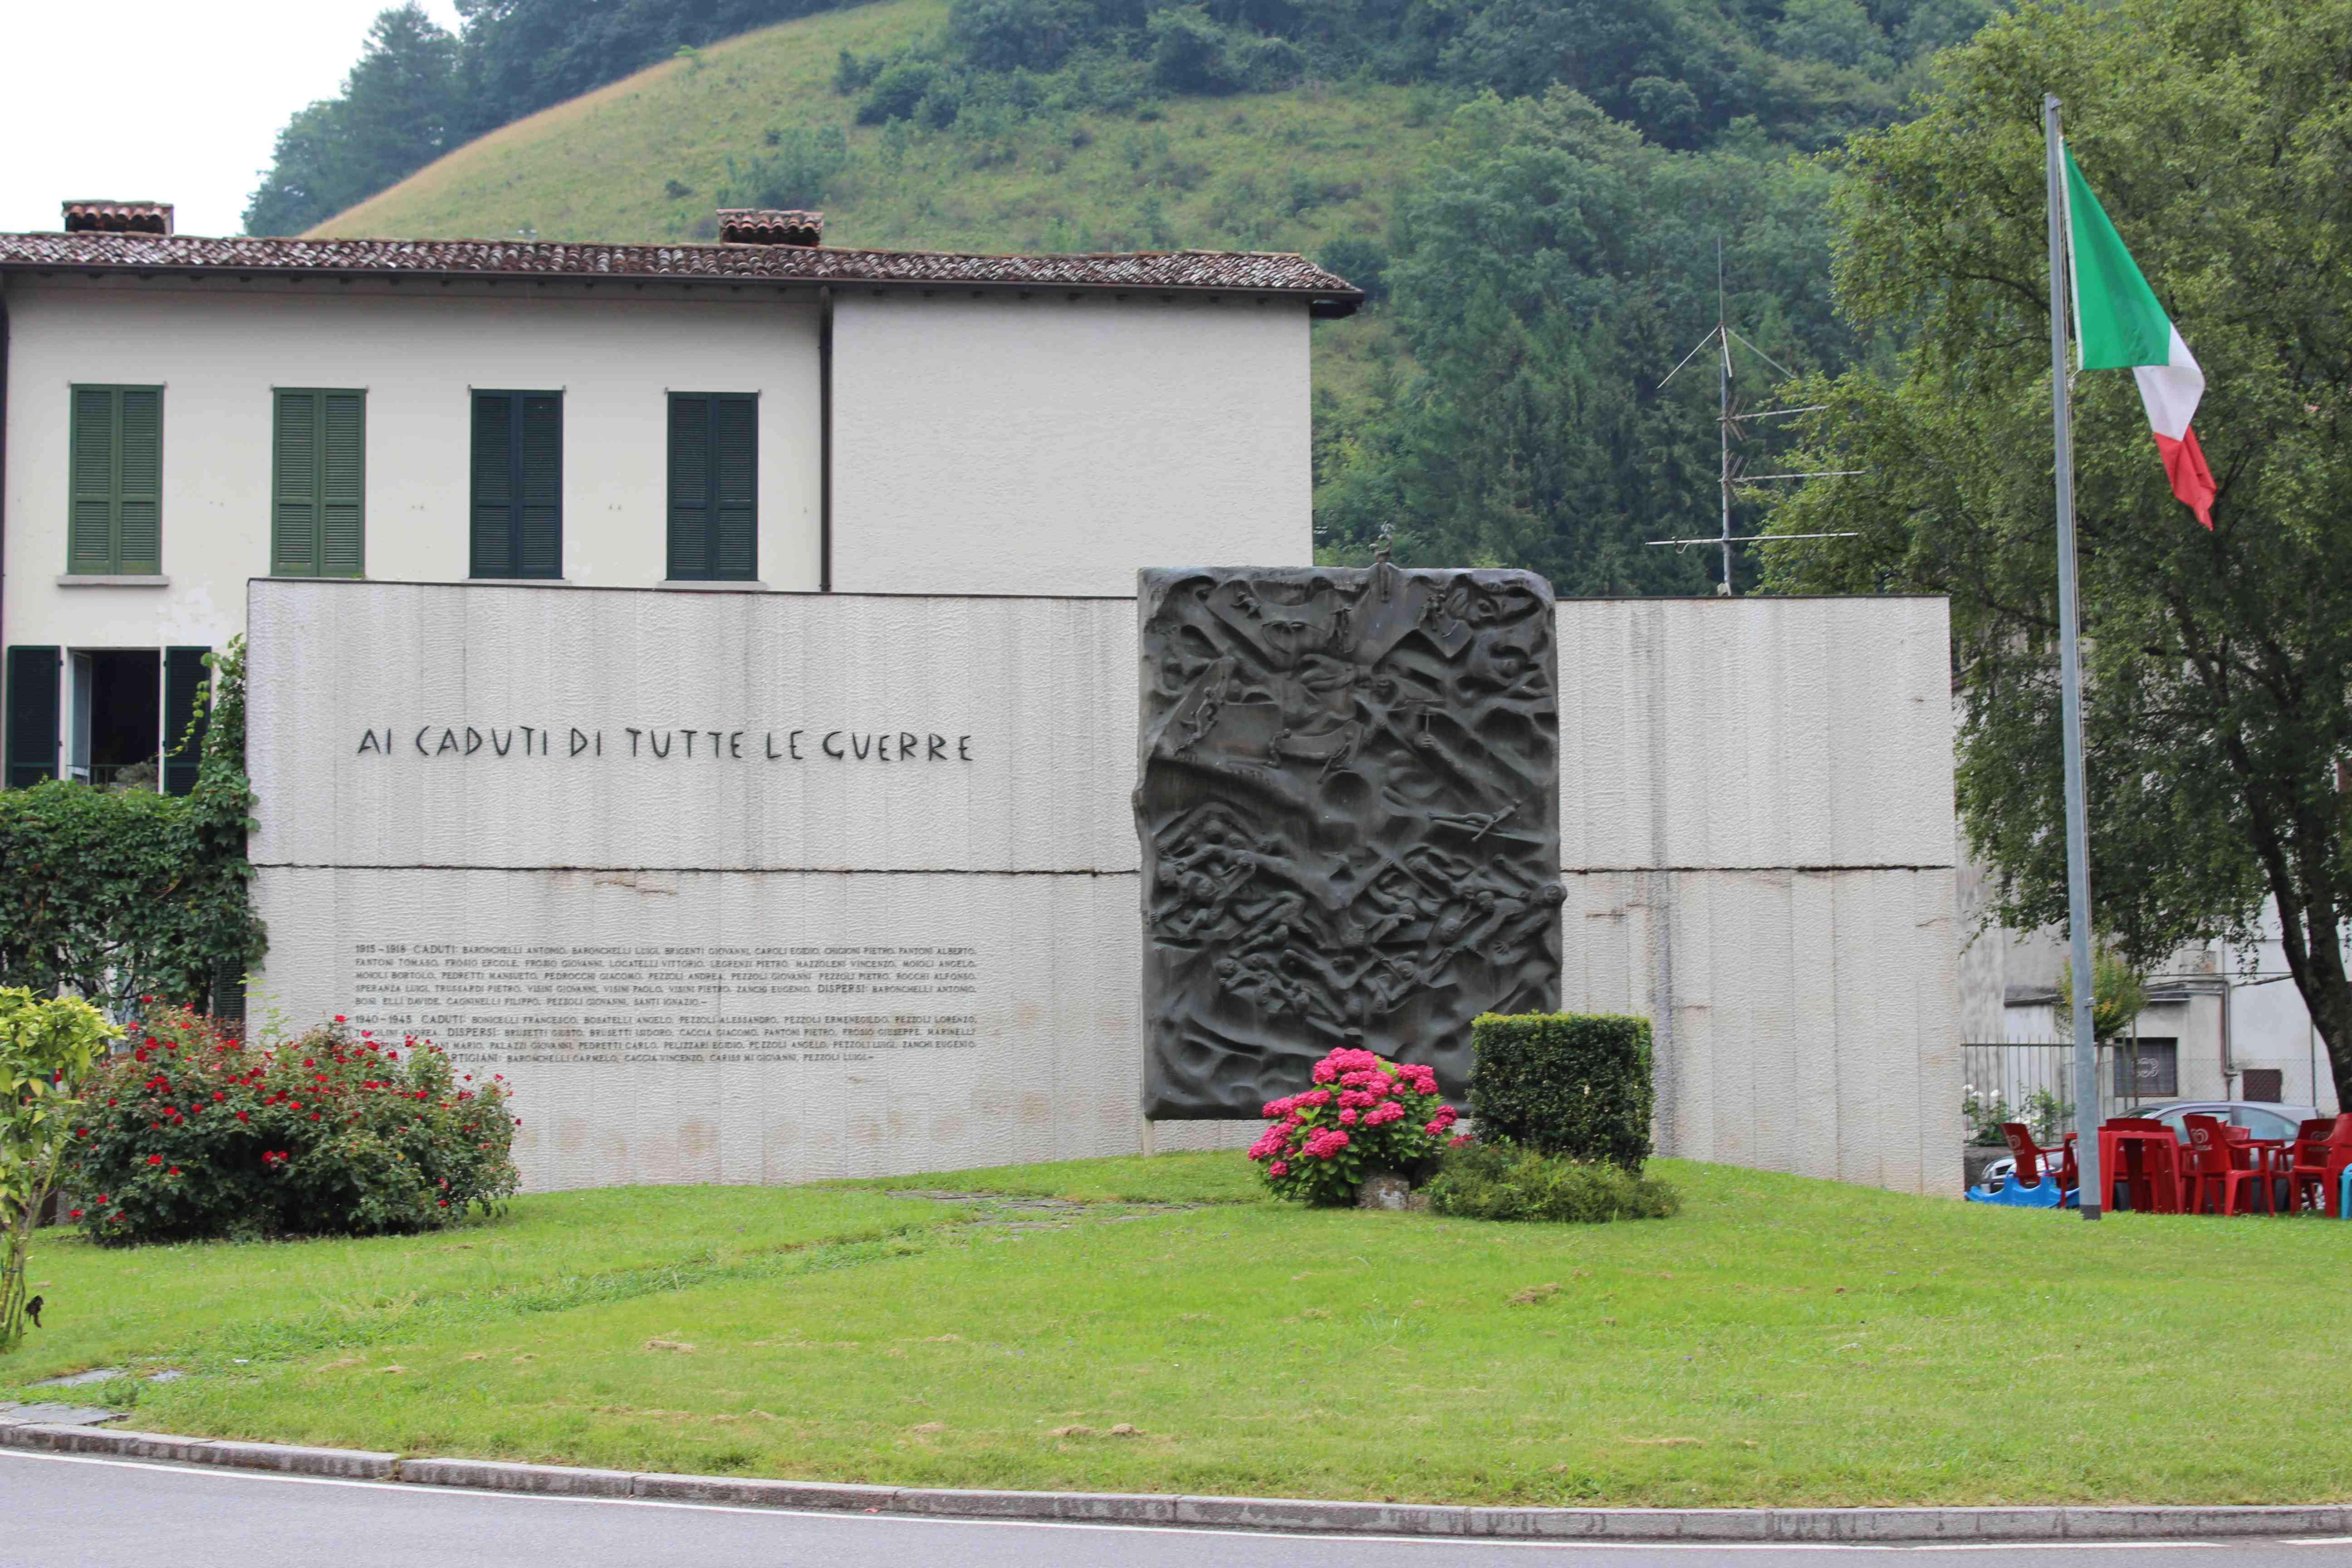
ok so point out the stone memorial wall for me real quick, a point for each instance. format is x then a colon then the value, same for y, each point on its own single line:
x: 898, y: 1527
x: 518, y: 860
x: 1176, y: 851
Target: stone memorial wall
x: 751, y: 887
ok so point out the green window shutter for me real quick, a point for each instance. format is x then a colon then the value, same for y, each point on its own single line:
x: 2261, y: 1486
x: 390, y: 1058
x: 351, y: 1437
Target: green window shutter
x: 539, y: 483
x: 115, y: 521
x: 735, y: 488
x: 689, y: 486
x: 294, y: 489
x: 89, y: 526
x: 518, y: 484
x: 187, y: 693
x: 714, y: 487
x: 32, y: 744
x: 139, y: 457
x: 493, y: 526
x: 343, y: 484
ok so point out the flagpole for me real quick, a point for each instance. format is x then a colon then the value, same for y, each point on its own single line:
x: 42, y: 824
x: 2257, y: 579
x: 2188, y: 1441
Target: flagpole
x: 2070, y: 674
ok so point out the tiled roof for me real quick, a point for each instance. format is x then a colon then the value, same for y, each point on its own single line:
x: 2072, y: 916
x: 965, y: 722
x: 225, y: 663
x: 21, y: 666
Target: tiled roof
x: 769, y: 226
x: 1189, y: 271
x: 133, y: 217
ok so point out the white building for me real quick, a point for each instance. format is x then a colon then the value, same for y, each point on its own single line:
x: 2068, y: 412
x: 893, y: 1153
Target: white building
x: 182, y: 414
x: 2222, y: 1021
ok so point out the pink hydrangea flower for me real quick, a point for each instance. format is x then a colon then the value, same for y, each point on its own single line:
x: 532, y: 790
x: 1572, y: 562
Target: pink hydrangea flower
x: 1279, y: 1168
x: 1381, y: 1115
x: 1316, y: 1097
x: 1356, y: 1100
x: 1323, y: 1071
x: 1459, y: 1141
x: 1348, y: 1117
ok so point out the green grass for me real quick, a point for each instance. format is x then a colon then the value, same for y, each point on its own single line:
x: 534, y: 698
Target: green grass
x: 1782, y: 1342
x: 1221, y: 172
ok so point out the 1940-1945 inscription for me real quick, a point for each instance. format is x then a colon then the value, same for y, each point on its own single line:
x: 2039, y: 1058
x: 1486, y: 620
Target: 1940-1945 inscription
x: 661, y: 744
x: 1350, y: 818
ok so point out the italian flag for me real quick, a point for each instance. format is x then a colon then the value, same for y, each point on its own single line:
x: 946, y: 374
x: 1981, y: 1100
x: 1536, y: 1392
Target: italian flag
x: 2118, y: 323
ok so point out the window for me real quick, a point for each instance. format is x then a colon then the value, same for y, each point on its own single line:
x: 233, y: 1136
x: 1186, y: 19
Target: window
x: 714, y: 489
x: 2150, y: 1071
x: 129, y: 720
x: 118, y: 708
x: 517, y: 518
x: 115, y: 527
x: 317, y: 497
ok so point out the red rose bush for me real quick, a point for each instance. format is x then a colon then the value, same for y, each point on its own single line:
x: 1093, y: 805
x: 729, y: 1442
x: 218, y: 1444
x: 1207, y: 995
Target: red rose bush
x: 193, y: 1133
x: 1365, y: 1114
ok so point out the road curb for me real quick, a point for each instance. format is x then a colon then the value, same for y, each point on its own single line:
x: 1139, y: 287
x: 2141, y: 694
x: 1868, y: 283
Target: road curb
x: 1292, y: 1514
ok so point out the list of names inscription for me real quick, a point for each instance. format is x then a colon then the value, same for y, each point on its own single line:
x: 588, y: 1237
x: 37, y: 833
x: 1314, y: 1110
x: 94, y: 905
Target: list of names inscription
x: 518, y: 1003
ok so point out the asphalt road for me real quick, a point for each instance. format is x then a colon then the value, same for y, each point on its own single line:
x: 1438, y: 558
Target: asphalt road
x: 78, y: 1512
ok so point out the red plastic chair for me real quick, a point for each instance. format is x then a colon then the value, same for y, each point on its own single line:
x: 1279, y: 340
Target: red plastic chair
x: 2034, y: 1161
x: 2320, y: 1153
x: 2140, y: 1156
x: 2225, y: 1167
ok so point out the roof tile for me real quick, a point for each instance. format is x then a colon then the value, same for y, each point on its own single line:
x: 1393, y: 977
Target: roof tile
x: 1197, y: 271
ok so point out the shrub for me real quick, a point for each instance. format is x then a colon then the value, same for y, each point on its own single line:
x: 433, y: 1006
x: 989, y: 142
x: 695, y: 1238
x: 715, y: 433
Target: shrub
x: 195, y: 1134
x: 898, y: 91
x: 797, y: 174
x: 1507, y: 1181
x: 1575, y: 1084
x: 49, y: 1046
x: 1364, y: 1114
x: 114, y: 895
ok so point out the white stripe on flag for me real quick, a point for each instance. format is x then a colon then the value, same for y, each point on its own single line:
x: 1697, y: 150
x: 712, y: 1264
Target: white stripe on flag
x: 2171, y: 391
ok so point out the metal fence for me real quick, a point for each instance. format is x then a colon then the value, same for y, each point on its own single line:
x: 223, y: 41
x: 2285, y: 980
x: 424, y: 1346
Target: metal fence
x: 2036, y: 1084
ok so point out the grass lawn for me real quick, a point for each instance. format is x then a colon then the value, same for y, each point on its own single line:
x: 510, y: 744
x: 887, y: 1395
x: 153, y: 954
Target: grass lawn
x: 1782, y: 1342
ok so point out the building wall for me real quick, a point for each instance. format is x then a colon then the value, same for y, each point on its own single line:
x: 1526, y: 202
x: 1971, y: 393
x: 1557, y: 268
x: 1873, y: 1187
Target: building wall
x: 1755, y: 830
x: 1046, y: 445
x: 219, y: 348
x: 1798, y: 967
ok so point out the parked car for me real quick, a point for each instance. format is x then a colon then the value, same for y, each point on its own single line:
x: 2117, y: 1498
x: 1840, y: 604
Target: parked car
x: 2261, y: 1118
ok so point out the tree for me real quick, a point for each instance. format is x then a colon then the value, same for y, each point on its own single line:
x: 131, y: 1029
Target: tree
x: 46, y: 1048
x: 398, y: 112
x: 1551, y: 267
x: 2218, y: 665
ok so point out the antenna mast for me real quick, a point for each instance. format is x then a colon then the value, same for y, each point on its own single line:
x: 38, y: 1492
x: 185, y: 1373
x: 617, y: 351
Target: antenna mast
x: 1721, y: 339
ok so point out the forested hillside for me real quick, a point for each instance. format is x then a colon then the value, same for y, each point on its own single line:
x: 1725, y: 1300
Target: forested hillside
x: 1532, y: 190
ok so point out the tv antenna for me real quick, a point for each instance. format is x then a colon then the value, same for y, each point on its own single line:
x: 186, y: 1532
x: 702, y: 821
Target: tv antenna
x: 1728, y: 420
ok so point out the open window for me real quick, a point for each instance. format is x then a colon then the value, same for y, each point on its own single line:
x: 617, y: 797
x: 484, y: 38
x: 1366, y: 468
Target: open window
x: 125, y: 718
x: 115, y: 739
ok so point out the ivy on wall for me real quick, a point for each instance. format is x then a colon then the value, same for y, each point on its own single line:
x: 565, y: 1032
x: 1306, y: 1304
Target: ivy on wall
x: 119, y: 895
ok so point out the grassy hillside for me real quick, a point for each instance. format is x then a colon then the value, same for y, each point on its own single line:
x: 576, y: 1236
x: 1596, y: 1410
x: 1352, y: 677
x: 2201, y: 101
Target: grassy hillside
x: 646, y: 159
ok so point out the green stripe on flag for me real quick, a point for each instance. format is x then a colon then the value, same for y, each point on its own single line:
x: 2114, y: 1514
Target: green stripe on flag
x: 2117, y: 321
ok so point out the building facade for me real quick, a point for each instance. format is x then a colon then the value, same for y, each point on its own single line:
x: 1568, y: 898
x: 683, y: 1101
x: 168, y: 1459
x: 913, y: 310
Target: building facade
x: 183, y: 414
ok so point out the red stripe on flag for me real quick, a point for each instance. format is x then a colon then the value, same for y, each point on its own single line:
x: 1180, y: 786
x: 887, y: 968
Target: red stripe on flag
x: 2184, y: 464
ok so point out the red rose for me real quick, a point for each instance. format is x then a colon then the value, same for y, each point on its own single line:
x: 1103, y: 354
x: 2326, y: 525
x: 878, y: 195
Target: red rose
x: 154, y: 1159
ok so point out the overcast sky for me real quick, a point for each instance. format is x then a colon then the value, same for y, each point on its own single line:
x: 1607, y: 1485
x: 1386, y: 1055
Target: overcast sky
x: 170, y: 100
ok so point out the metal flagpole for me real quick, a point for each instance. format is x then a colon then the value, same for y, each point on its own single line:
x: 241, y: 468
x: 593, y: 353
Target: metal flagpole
x: 2070, y: 671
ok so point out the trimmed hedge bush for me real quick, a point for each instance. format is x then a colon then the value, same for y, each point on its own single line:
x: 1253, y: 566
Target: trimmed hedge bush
x: 1575, y: 1084
x: 1505, y: 1180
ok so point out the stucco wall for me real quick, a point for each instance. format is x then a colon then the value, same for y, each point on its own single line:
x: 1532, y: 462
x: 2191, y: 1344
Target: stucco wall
x: 218, y: 350
x: 1756, y: 821
x: 1756, y: 831
x: 1004, y: 445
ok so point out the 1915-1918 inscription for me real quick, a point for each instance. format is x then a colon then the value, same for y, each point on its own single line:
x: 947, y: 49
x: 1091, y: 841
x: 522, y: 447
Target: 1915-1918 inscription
x: 516, y: 1002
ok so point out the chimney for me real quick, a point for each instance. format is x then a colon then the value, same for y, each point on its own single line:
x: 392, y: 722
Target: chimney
x: 118, y: 218
x: 769, y: 226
